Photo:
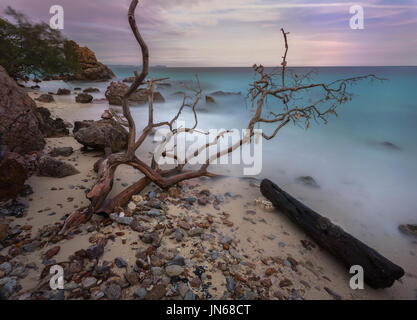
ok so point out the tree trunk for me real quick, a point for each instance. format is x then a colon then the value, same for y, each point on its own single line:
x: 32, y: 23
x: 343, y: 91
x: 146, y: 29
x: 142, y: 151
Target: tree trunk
x: 379, y: 272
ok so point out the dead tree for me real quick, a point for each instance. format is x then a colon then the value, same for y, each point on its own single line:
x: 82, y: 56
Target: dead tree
x: 264, y: 87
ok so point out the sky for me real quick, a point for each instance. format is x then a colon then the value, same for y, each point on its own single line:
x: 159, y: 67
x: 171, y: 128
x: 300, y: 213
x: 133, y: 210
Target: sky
x: 209, y: 33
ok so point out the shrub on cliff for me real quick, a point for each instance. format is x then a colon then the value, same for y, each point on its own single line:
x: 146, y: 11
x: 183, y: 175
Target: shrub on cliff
x: 33, y: 48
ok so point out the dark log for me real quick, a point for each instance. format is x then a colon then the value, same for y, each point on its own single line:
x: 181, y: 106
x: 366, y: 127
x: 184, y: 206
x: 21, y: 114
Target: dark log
x: 379, y: 272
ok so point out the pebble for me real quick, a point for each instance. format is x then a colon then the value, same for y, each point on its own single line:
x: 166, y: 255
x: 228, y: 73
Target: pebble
x: 195, y: 232
x: 281, y: 244
x: 89, y: 282
x: 6, y: 267
x: 157, y: 271
x: 174, y: 270
x: 230, y: 284
x: 120, y: 262
x: 113, y: 291
x: 32, y: 246
x: 141, y: 293
x: 179, y: 235
x: 120, y: 219
x: 189, y: 295
x: 154, y: 213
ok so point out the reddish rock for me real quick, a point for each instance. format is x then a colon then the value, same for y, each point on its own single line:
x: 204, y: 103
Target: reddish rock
x: 156, y: 293
x: 52, y: 252
x: 19, y: 125
x: 13, y: 174
x: 91, y: 68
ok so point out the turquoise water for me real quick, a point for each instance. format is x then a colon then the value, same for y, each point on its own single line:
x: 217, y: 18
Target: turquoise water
x: 365, y: 186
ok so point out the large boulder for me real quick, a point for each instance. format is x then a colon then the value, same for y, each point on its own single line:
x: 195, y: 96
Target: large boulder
x: 116, y: 90
x: 105, y: 133
x: 19, y: 125
x: 46, y: 98
x: 91, y: 68
x: 50, y: 167
x: 83, y: 98
x: 51, y: 127
x: 13, y: 174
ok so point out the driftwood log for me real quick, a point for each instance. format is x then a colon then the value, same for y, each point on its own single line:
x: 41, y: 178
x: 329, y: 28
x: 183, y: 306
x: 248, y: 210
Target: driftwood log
x: 379, y: 272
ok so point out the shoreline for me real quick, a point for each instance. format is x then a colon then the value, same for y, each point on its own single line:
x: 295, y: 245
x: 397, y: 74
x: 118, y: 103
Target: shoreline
x: 267, y: 259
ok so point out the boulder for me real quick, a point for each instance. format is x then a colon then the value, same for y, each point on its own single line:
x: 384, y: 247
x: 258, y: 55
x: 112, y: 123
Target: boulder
x: 91, y: 68
x: 50, y: 167
x: 101, y: 134
x: 19, y: 125
x: 13, y: 174
x: 90, y: 90
x: 83, y: 98
x: 50, y: 127
x: 47, y: 98
x: 116, y: 90
x: 63, y: 92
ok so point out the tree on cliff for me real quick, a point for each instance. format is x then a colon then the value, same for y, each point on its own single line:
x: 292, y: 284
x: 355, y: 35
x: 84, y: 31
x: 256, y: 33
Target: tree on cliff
x: 33, y: 48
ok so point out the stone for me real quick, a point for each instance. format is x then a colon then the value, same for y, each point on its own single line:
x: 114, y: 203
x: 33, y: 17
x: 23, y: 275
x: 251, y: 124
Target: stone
x: 285, y: 283
x: 52, y: 252
x: 224, y: 93
x: 333, y: 294
x: 174, y: 270
x: 189, y: 295
x: 121, y: 220
x: 50, y: 167
x: 116, y: 90
x: 132, y: 278
x: 30, y: 247
x: 19, y: 125
x: 156, y: 293
x: 308, y: 181
x: 89, y: 282
x: 63, y: 92
x: 91, y: 68
x: 120, y: 262
x: 46, y: 98
x: 51, y: 128
x: 230, y: 284
x: 101, y: 134
x: 13, y: 174
x: 154, y: 213
x: 83, y: 98
x: 16, y: 208
x: 113, y: 291
x: 141, y: 293
x: 178, y: 260
x: 26, y: 191
x: 195, y: 282
x: 95, y: 251
x: 6, y: 267
x: 195, y: 232
x: 61, y: 151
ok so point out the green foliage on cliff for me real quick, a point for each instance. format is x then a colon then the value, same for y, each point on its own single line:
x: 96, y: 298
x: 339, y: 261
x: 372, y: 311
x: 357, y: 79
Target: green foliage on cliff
x: 33, y: 49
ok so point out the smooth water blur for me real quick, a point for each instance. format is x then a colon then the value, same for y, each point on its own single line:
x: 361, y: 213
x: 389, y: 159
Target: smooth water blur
x: 365, y: 186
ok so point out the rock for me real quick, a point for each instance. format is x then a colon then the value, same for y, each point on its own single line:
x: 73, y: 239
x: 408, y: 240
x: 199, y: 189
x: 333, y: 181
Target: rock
x: 19, y: 125
x: 230, y: 284
x: 113, y: 291
x: 83, y: 98
x: 154, y: 213
x: 121, y: 220
x: 224, y: 93
x: 89, y: 282
x: 174, y: 270
x: 334, y: 295
x: 195, y: 282
x: 285, y: 283
x: 51, y: 128
x: 47, y: 98
x: 409, y: 229
x: 30, y: 247
x: 9, y: 288
x: 91, y: 90
x: 184, y: 225
x: 174, y: 192
x: 61, y: 151
x: 120, y: 262
x: 178, y: 260
x: 13, y: 174
x: 141, y: 293
x: 210, y: 100
x: 95, y: 251
x: 156, y: 293
x: 15, y: 208
x: 116, y: 90
x: 52, y: 252
x: 101, y: 134
x: 179, y: 235
x: 91, y: 68
x: 195, y: 232
x: 6, y: 267
x: 63, y: 92
x: 26, y: 191
x: 50, y: 167
x: 132, y: 278
x: 308, y: 181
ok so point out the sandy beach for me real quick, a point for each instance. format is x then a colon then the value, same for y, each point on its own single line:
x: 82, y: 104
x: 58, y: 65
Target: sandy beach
x: 244, y: 249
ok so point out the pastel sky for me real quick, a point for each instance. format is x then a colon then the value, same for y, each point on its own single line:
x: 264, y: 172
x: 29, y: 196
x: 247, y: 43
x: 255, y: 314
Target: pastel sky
x: 239, y: 32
